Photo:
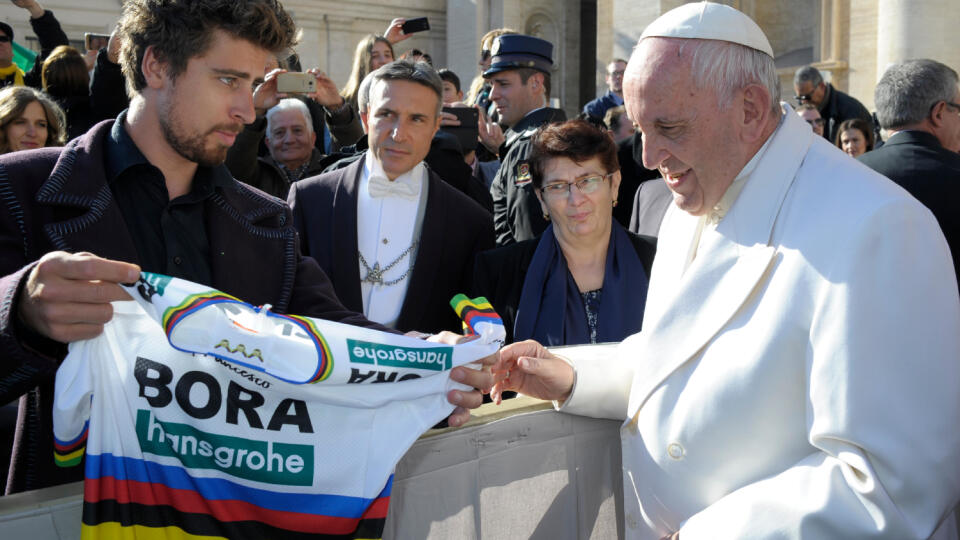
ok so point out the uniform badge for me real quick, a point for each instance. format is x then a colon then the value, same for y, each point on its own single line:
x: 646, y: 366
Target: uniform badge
x: 523, y: 174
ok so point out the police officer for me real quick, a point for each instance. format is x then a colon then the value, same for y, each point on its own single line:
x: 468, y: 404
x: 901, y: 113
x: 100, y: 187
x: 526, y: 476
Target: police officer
x: 519, y: 77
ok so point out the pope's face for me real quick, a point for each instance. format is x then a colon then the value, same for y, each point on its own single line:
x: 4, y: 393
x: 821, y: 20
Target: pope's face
x: 685, y: 134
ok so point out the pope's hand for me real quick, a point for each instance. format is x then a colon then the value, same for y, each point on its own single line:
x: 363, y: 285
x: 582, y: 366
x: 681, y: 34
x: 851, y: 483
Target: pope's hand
x: 529, y: 368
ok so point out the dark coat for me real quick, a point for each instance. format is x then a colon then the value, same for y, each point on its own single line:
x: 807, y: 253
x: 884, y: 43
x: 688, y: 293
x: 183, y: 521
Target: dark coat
x: 455, y: 229
x: 632, y: 174
x: 839, y: 107
x: 650, y: 204
x: 517, y: 215
x: 58, y: 199
x: 500, y: 273
x: 921, y: 165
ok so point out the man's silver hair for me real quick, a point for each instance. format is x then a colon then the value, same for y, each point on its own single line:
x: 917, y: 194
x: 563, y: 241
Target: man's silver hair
x: 728, y: 67
x: 289, y: 104
x: 363, y: 93
x: 417, y: 72
x: 807, y: 74
x: 908, y: 90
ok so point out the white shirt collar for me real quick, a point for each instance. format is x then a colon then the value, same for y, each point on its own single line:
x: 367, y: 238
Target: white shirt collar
x: 413, y: 178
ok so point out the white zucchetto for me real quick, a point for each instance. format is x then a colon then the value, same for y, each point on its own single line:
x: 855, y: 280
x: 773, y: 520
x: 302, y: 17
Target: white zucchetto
x: 708, y: 20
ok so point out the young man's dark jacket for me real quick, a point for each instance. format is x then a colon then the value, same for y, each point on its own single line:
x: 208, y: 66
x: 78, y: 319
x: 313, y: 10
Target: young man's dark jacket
x: 59, y: 199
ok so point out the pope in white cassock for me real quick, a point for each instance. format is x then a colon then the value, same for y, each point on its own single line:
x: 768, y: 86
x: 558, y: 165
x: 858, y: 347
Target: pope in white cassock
x: 797, y: 374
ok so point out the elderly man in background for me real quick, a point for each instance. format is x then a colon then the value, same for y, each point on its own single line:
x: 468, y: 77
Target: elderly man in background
x: 796, y: 373
x: 286, y: 125
x: 918, y: 101
x: 834, y: 106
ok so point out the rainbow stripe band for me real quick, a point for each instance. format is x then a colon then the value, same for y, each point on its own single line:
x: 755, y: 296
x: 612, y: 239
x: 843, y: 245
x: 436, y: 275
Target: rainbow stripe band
x: 474, y: 311
x: 125, y: 496
x: 70, y: 453
x: 172, y: 316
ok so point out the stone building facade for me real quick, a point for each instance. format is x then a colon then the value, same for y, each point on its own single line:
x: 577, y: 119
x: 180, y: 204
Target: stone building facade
x: 851, y: 41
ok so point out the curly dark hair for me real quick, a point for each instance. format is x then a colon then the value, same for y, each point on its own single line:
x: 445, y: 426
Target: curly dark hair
x: 179, y: 30
x: 575, y: 139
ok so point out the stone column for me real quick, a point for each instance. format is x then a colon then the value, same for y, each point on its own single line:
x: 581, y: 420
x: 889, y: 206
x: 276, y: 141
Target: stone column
x: 907, y: 29
x: 463, y: 42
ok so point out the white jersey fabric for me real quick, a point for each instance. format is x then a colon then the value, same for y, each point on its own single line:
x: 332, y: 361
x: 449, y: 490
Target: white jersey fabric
x: 208, y: 416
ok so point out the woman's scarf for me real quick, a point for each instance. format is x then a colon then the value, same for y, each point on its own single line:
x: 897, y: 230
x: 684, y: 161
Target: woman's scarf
x: 14, y: 70
x: 551, y: 309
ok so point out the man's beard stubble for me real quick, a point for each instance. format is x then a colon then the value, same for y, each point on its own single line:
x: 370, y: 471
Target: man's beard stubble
x: 191, y: 146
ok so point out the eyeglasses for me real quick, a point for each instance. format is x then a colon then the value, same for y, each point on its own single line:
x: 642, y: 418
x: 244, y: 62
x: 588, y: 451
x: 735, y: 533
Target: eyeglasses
x: 4, y: 39
x: 815, y: 122
x: 616, y: 73
x: 561, y: 190
x: 803, y: 97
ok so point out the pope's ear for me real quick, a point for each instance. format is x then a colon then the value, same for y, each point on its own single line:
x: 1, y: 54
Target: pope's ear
x: 756, y: 103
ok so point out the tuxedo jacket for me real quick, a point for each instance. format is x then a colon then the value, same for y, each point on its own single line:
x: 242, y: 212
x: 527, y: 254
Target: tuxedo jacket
x: 58, y: 199
x: 921, y: 165
x: 455, y: 228
x: 799, y: 378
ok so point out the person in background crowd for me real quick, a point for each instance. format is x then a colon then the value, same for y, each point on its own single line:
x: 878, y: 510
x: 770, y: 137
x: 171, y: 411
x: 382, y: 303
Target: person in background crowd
x: 292, y: 152
x: 597, y: 108
x: 855, y: 137
x: 29, y: 119
x: 479, y: 93
x: 151, y: 189
x: 519, y: 78
x: 618, y: 123
x: 584, y: 280
x: 66, y: 80
x: 49, y: 34
x: 834, y: 106
x: 451, y: 90
x: 289, y: 137
x: 918, y: 101
x: 796, y: 376
x: 811, y: 115
x: 372, y: 52
x: 396, y: 240
x: 416, y: 55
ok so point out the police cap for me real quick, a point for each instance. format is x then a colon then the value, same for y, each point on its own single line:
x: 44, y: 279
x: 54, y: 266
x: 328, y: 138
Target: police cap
x: 516, y: 51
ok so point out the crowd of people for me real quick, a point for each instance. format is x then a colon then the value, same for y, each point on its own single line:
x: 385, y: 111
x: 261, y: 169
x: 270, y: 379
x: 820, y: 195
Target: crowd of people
x: 376, y: 201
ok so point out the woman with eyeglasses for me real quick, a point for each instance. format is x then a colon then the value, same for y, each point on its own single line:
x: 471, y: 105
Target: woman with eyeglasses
x: 584, y: 280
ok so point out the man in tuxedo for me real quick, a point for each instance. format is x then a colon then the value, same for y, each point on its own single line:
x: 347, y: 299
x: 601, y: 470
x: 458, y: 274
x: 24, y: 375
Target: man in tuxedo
x: 796, y: 373
x: 919, y: 103
x: 397, y: 241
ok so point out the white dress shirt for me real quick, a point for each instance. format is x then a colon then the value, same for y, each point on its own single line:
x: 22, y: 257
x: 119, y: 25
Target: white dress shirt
x: 386, y: 227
